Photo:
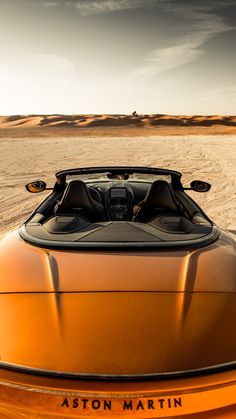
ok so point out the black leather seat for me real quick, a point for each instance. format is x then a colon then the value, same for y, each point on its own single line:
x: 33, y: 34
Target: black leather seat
x: 77, y: 199
x: 159, y: 200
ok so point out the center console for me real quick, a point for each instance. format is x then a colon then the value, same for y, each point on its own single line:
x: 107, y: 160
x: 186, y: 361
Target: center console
x: 119, y: 203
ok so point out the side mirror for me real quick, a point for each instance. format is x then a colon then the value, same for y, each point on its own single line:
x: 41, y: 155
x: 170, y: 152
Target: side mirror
x: 36, y: 186
x: 200, y: 186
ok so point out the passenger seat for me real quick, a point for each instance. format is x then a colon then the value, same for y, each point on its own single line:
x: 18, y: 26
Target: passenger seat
x: 159, y: 200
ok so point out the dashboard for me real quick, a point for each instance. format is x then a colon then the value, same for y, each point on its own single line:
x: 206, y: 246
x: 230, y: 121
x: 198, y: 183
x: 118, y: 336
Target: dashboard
x: 118, y: 198
x: 119, y: 203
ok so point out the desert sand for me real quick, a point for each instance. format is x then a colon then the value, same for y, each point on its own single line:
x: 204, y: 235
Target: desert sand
x: 210, y: 158
x: 119, y: 125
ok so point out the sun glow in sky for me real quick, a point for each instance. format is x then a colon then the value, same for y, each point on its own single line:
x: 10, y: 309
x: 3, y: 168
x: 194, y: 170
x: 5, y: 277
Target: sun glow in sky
x: 116, y: 56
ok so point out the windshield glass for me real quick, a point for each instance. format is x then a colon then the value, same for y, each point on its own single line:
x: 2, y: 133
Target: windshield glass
x: 141, y: 177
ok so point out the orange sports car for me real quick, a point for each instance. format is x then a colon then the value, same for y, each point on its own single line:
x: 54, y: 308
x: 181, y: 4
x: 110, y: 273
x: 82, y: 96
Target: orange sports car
x: 118, y: 299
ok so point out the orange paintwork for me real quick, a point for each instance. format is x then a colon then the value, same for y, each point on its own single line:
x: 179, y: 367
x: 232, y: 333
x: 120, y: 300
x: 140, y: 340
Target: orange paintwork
x: 204, y: 397
x: 117, y: 333
x: 117, y: 313
x: 208, y: 269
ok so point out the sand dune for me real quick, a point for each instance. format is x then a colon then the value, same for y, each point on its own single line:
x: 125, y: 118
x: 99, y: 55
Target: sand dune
x: 155, y: 124
x: 210, y: 158
x: 114, y: 120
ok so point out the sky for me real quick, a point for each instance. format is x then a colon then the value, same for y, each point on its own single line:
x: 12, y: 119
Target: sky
x: 117, y: 56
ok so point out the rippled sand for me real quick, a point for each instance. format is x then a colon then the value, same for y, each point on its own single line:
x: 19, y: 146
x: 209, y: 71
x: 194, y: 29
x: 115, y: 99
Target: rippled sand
x: 210, y: 158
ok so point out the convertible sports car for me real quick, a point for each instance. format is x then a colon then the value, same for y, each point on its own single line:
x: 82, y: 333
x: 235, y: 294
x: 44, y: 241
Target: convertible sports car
x: 118, y: 299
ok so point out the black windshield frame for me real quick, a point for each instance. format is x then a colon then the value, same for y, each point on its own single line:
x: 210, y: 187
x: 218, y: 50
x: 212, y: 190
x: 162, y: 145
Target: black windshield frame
x: 121, y: 170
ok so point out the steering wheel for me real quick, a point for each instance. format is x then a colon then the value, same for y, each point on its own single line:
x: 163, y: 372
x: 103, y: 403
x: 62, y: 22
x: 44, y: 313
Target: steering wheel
x: 95, y: 194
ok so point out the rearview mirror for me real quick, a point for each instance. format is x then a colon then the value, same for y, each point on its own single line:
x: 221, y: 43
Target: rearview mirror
x: 200, y: 186
x: 118, y: 176
x: 36, y: 186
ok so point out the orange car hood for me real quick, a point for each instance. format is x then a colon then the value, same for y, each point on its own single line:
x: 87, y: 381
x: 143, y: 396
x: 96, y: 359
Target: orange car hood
x: 117, y: 314
x: 25, y: 268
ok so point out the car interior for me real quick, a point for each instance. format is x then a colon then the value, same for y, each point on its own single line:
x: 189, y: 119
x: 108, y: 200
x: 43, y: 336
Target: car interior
x: 118, y: 210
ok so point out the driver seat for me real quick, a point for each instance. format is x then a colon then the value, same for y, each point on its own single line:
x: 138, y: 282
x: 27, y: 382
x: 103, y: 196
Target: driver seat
x: 77, y: 199
x: 159, y: 200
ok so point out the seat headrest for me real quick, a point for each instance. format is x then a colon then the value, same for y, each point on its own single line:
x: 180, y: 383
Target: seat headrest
x: 160, y: 195
x: 77, y: 196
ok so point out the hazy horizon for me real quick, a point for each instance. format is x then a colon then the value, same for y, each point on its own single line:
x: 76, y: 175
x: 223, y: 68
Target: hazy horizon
x: 116, y: 56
